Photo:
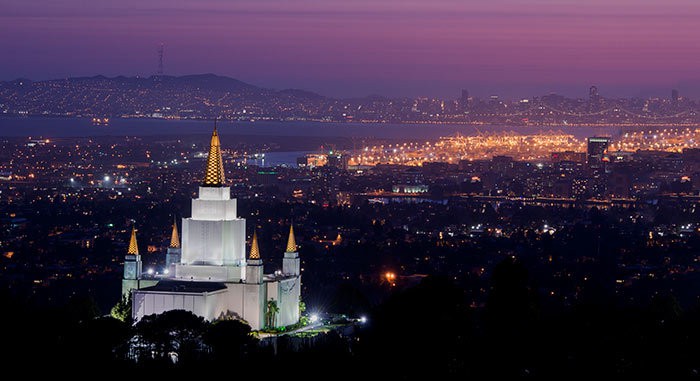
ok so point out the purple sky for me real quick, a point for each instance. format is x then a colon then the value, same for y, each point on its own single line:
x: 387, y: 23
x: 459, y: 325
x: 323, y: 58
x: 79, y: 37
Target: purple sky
x: 360, y: 47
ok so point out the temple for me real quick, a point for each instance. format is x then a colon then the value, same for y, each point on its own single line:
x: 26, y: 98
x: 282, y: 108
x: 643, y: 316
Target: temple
x: 208, y: 273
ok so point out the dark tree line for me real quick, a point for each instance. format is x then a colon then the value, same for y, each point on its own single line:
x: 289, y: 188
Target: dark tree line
x: 429, y: 328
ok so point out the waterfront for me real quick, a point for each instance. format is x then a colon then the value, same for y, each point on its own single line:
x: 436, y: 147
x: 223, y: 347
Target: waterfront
x: 81, y: 127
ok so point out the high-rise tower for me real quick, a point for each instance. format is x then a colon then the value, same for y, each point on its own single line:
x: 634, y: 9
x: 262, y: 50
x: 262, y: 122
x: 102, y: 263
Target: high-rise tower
x: 597, y: 150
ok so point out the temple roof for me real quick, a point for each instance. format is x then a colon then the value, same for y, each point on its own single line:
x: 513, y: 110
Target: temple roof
x: 214, y: 175
x: 185, y: 286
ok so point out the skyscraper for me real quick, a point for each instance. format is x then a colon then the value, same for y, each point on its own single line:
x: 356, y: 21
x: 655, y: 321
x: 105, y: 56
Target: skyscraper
x: 597, y: 151
x: 593, y: 96
x: 675, y: 96
x: 464, y: 100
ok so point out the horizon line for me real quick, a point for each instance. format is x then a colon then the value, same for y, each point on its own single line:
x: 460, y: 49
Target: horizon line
x: 458, y: 89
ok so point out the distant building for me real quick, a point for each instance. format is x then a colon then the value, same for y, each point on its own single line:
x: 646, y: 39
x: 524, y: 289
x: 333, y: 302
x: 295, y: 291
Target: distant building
x: 267, y: 177
x: 576, y: 157
x: 580, y: 188
x: 436, y: 167
x: 502, y: 163
x: 338, y: 160
x: 562, y: 188
x: 597, y: 151
x: 409, y: 188
x: 674, y: 96
x: 593, y: 95
x: 619, y: 185
x: 464, y: 100
x: 312, y: 160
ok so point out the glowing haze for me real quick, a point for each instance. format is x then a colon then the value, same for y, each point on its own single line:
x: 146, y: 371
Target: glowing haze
x: 351, y: 48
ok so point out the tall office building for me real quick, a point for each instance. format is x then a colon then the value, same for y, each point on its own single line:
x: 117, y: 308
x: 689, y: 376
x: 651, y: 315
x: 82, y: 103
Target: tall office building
x: 464, y: 100
x: 597, y: 151
x: 593, y: 96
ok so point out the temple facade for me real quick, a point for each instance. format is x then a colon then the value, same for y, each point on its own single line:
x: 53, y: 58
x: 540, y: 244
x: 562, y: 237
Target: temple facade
x: 208, y: 273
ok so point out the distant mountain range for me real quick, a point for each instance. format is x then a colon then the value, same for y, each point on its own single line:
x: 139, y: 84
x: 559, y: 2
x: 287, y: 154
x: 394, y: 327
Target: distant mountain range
x: 213, y: 96
x: 198, y: 95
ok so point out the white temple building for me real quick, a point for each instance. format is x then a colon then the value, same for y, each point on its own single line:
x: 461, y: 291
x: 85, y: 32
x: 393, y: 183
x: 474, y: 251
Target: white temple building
x: 209, y: 273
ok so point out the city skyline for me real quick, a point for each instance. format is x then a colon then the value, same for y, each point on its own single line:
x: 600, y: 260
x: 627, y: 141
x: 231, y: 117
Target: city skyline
x: 415, y: 48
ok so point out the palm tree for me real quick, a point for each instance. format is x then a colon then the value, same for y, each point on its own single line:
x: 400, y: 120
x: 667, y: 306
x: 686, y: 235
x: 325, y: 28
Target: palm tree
x: 271, y: 314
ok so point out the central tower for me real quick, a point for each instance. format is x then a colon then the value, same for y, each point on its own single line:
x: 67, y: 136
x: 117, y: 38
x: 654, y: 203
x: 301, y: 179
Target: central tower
x: 213, y: 239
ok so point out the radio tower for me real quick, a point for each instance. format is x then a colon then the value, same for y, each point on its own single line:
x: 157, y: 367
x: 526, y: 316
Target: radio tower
x: 160, y: 59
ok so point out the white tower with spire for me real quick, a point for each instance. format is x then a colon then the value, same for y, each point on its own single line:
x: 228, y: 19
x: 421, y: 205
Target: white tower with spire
x: 288, y: 288
x: 290, y: 262
x: 254, y: 288
x: 133, y: 267
x: 173, y: 255
x: 132, y: 262
x: 213, y: 239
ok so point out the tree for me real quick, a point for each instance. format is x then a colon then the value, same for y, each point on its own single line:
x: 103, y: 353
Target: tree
x: 348, y: 299
x: 229, y: 340
x: 81, y: 308
x: 97, y: 341
x: 271, y: 313
x: 176, y: 331
x: 425, y: 324
x: 511, y: 304
x: 122, y: 310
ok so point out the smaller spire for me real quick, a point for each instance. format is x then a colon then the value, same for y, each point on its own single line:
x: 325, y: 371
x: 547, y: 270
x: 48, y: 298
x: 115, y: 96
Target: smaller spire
x: 174, y: 237
x: 254, y: 250
x: 291, y: 242
x: 133, y: 247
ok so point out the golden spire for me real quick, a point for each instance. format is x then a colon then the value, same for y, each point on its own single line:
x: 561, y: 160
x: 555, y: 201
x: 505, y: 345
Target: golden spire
x: 214, y: 175
x: 133, y: 247
x: 291, y: 242
x: 174, y: 237
x: 254, y: 250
